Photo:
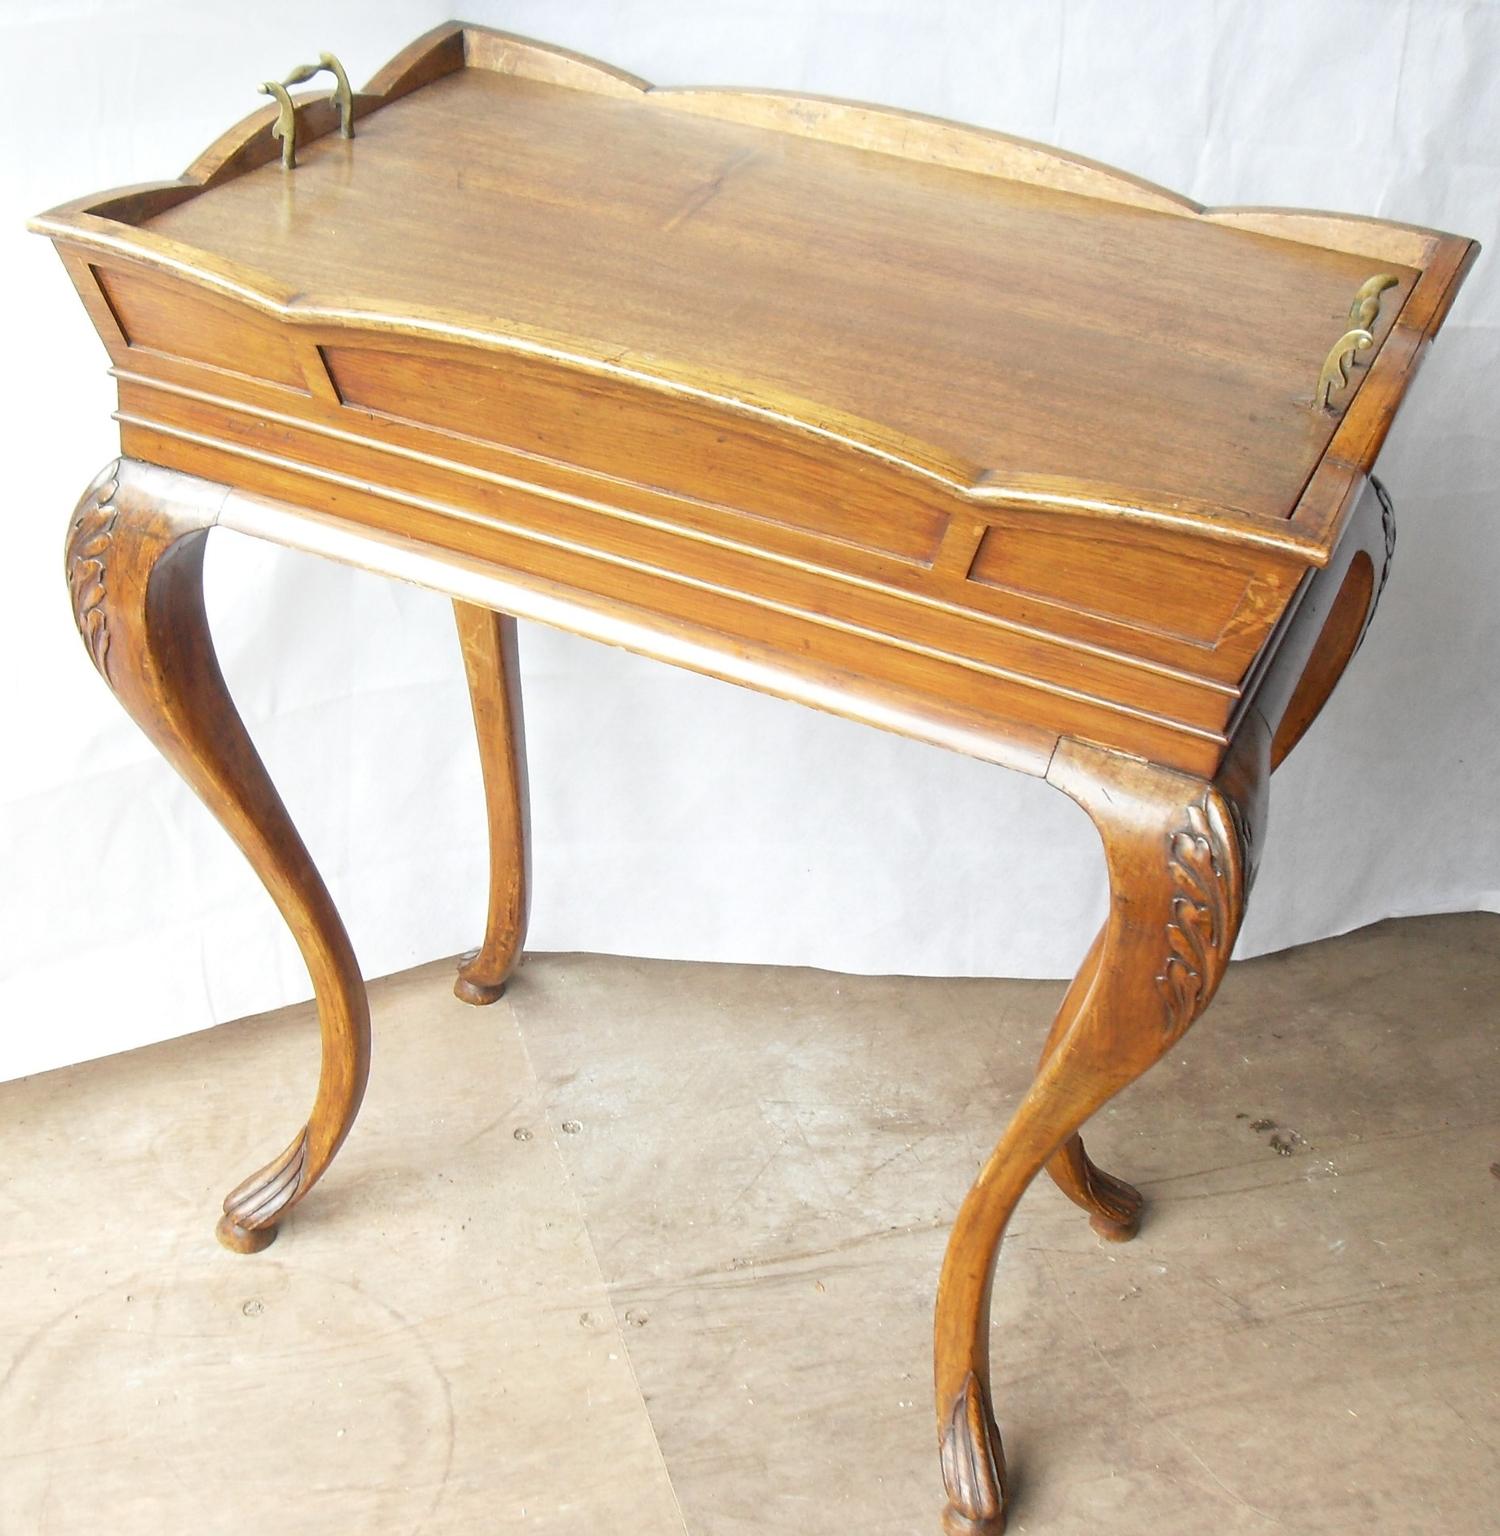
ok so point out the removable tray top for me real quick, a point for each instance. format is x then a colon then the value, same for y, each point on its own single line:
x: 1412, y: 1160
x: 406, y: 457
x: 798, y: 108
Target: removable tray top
x: 1017, y: 323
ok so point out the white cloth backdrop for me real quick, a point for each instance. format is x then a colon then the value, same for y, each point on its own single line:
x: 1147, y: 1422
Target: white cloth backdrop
x: 676, y: 816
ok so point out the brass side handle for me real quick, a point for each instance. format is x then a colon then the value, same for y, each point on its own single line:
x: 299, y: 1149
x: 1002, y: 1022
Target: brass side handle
x: 1334, y: 373
x: 1365, y: 309
x: 285, y: 126
x: 1364, y: 312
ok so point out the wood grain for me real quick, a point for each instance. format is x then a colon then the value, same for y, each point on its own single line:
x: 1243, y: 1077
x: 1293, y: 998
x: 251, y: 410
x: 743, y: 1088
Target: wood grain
x: 862, y: 651
x: 980, y: 326
x: 135, y: 566
x: 154, y: 315
x: 1179, y: 853
x: 491, y: 663
x: 960, y: 436
x: 939, y: 256
x: 947, y: 417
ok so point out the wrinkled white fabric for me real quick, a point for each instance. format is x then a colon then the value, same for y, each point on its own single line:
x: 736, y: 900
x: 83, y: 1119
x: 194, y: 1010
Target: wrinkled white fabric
x: 676, y: 816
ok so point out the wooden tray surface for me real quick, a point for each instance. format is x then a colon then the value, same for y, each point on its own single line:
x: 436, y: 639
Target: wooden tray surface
x: 1008, y: 318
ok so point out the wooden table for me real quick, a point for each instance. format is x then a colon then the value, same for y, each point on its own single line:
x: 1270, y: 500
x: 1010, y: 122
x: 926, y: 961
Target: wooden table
x: 960, y: 436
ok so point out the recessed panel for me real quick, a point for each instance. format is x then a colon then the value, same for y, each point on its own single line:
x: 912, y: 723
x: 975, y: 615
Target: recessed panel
x: 159, y: 315
x: 651, y: 438
x: 1120, y: 578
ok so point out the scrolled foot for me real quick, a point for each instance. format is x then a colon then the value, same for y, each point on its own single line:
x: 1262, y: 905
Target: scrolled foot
x: 252, y: 1209
x: 956, y: 1523
x: 1115, y: 1231
x: 1117, y: 1206
x: 468, y: 989
x: 973, y: 1466
x: 240, y: 1239
x: 476, y: 983
x: 1114, y: 1206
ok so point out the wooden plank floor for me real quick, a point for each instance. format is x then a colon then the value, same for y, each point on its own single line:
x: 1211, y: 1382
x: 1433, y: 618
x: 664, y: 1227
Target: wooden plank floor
x: 650, y: 1247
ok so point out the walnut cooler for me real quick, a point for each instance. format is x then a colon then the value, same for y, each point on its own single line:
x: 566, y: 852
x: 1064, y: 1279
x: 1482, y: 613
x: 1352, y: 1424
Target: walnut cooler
x: 957, y: 435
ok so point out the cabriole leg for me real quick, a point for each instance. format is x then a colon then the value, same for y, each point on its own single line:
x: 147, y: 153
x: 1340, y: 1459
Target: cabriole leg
x: 1114, y: 1206
x: 489, y: 647
x: 1179, y: 852
x: 135, y: 568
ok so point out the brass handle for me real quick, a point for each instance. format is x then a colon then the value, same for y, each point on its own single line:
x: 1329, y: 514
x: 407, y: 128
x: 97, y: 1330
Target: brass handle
x: 1365, y: 309
x: 1333, y: 374
x: 1364, y: 312
x: 285, y: 126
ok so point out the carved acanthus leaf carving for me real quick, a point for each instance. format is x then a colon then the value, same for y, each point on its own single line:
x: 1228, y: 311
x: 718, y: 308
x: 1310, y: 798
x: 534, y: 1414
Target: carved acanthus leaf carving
x: 973, y: 1465
x: 1388, y: 531
x: 1249, y: 840
x: 1388, y: 528
x: 88, y: 550
x: 1199, y: 864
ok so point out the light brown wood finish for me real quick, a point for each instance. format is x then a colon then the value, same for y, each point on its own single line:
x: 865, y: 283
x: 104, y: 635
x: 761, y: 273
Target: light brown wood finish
x: 963, y: 437
x: 1328, y: 625
x: 135, y: 570
x: 488, y: 641
x: 1114, y: 1206
x: 712, y: 189
x: 1013, y: 446
x: 1179, y: 852
x: 635, y: 222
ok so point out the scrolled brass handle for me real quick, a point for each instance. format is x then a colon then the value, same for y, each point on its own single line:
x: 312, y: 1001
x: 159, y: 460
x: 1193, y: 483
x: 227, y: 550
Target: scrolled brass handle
x: 285, y: 126
x: 1364, y: 312
x: 1365, y: 309
x: 1334, y: 374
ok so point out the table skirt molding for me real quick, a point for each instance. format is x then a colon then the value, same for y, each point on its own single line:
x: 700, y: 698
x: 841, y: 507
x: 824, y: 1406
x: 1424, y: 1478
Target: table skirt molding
x: 1181, y: 849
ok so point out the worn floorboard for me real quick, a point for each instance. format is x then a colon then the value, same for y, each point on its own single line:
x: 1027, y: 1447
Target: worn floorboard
x: 650, y: 1246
